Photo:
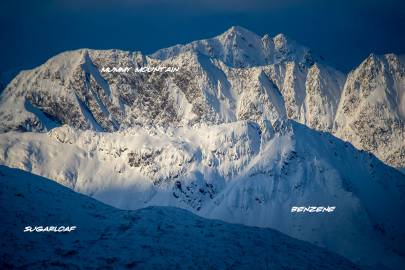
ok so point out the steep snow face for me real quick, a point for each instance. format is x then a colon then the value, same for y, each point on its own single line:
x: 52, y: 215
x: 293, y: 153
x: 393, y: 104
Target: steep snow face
x: 306, y: 168
x: 155, y: 237
x: 66, y: 89
x: 371, y: 111
x: 237, y: 172
x: 311, y: 95
x: 323, y: 89
x: 311, y: 91
x: 208, y: 88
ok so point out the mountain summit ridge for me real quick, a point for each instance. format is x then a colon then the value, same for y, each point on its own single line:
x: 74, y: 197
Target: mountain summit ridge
x: 233, y: 76
x: 241, y: 48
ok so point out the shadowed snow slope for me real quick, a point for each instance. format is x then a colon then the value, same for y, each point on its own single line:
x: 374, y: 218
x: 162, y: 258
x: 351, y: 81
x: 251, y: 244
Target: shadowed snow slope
x: 151, y: 238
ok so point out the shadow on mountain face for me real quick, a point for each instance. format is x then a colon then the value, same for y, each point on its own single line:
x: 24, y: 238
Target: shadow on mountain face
x: 150, y: 238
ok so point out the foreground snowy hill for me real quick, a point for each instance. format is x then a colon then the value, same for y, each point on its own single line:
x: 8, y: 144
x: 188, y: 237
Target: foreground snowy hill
x: 235, y: 172
x: 151, y: 238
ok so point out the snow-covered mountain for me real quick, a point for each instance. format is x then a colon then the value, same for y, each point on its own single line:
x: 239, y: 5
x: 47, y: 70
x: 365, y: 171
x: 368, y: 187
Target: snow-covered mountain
x: 210, y: 87
x: 235, y: 172
x: 371, y: 112
x: 151, y: 238
x: 241, y: 48
x: 237, y: 134
x: 237, y: 75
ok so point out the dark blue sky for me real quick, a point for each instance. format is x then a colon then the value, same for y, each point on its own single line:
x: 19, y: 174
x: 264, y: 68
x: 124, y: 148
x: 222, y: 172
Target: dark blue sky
x: 344, y: 31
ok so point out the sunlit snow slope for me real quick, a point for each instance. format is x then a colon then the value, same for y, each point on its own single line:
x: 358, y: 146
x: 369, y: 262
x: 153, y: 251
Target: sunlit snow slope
x: 235, y: 172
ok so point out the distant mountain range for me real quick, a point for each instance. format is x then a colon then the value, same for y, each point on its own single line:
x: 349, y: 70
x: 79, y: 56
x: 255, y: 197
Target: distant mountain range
x: 237, y: 75
x: 246, y: 129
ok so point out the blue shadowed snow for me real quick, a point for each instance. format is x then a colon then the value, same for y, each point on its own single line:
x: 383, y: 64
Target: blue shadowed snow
x: 151, y: 238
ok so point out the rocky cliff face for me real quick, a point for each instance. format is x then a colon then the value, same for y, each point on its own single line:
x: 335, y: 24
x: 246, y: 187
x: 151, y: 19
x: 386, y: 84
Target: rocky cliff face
x: 371, y: 113
x: 235, y: 76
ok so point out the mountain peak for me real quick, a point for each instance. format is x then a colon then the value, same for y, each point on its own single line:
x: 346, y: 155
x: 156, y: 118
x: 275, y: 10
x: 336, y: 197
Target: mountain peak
x: 240, y: 47
x: 239, y: 30
x: 280, y: 39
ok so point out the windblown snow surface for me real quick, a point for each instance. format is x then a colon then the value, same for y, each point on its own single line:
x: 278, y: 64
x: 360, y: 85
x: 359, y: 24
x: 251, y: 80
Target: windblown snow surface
x: 150, y: 238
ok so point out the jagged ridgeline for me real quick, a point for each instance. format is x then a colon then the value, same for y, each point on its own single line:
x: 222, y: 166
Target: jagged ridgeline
x: 237, y: 75
x: 241, y: 132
